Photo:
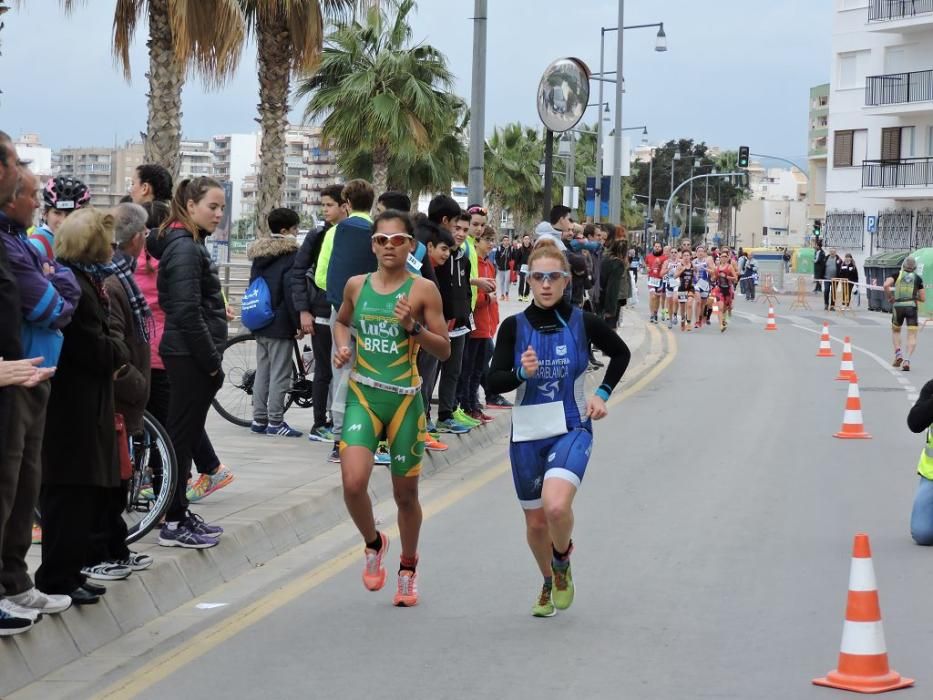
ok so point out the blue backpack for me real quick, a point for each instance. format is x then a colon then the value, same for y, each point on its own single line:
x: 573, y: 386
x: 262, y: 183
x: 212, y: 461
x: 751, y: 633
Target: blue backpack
x: 256, y: 307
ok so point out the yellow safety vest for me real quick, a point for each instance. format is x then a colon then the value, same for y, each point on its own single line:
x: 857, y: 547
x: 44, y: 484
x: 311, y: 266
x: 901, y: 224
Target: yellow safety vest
x: 925, y: 467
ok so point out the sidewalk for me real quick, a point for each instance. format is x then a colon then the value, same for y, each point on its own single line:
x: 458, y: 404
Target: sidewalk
x: 285, y: 493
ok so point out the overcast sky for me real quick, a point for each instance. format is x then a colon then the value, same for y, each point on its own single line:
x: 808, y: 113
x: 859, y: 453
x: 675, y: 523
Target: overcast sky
x: 737, y: 71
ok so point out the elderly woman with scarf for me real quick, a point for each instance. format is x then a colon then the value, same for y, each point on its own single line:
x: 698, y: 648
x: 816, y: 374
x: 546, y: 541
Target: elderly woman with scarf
x: 132, y: 328
x: 79, y: 471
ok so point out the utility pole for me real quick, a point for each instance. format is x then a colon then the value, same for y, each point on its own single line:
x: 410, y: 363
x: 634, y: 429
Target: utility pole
x: 598, y: 209
x: 615, y: 192
x: 478, y: 105
x: 548, y: 172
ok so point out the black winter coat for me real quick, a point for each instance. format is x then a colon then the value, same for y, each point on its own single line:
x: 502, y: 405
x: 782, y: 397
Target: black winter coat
x: 273, y: 258
x: 819, y: 264
x: 305, y: 294
x: 78, y: 448
x: 191, y: 297
x: 504, y: 255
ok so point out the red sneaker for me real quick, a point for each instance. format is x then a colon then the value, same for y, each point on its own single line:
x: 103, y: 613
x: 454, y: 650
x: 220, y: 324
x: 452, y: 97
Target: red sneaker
x: 480, y: 416
x: 374, y: 573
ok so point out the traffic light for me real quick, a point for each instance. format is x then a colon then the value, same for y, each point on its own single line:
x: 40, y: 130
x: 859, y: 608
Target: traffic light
x: 817, y: 228
x: 743, y: 156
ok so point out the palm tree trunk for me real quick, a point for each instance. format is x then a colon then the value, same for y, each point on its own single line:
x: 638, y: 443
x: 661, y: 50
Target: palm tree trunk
x: 274, y: 73
x: 380, y: 169
x: 494, y: 218
x: 166, y: 78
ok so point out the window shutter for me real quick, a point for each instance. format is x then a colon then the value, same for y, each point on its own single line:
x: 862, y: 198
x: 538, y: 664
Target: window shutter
x: 891, y: 143
x: 842, y: 149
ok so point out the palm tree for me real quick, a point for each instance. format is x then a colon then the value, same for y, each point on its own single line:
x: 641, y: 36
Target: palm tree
x: 203, y: 36
x: 289, y: 37
x: 512, y: 179
x: 378, y: 94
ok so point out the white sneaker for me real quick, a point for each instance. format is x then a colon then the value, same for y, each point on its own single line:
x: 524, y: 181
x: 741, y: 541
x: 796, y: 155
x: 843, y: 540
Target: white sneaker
x: 136, y: 562
x: 40, y: 602
x: 107, y: 571
x: 13, y: 610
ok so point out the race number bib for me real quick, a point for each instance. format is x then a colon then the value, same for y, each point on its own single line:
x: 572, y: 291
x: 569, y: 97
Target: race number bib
x: 682, y: 297
x: 538, y: 421
x: 654, y: 282
x: 413, y: 263
x: 703, y: 285
x: 523, y: 269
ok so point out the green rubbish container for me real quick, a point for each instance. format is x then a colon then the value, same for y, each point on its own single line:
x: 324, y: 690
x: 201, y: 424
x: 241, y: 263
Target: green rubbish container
x: 924, y: 257
x: 878, y: 268
x: 803, y: 261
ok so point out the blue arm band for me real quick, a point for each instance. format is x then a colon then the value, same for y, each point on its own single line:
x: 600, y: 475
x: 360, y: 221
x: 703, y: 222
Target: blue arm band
x: 520, y: 373
x: 602, y: 393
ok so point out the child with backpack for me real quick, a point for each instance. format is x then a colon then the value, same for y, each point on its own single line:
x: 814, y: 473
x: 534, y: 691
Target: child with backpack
x: 269, y: 313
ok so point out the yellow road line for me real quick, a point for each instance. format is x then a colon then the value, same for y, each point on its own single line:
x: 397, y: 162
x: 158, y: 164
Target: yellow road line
x: 170, y: 662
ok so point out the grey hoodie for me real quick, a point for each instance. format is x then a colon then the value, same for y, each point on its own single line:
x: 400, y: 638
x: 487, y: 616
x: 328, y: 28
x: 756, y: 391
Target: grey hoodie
x: 545, y: 230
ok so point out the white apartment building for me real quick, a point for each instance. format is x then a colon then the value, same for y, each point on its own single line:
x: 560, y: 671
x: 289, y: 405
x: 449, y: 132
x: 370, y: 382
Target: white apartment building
x: 29, y: 148
x: 880, y: 145
x: 194, y: 159
x: 233, y: 156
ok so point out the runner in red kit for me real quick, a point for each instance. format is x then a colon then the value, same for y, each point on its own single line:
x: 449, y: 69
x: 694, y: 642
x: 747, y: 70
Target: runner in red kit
x: 654, y: 262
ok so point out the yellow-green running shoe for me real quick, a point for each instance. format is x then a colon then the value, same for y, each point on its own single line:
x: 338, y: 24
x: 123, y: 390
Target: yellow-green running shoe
x: 543, y: 606
x: 563, y: 586
x: 463, y: 419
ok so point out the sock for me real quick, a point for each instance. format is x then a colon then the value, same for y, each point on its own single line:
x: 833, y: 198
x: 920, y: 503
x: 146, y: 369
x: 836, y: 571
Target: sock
x: 548, y: 582
x: 171, y: 526
x: 561, y: 559
x: 376, y: 544
x: 407, y: 564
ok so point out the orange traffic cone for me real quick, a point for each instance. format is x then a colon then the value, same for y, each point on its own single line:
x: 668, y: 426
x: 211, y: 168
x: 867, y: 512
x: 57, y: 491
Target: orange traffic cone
x: 863, y: 656
x: 852, y: 426
x: 772, y: 322
x: 847, y: 368
x: 826, y: 349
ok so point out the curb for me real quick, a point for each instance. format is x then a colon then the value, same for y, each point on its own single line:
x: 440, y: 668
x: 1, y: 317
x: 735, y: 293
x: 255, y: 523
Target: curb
x: 252, y: 537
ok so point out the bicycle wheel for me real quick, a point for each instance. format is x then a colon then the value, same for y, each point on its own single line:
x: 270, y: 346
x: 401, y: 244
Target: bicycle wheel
x: 149, y: 492
x: 234, y: 400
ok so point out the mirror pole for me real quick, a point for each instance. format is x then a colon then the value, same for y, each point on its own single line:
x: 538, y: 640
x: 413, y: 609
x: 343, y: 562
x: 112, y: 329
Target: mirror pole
x: 548, y: 172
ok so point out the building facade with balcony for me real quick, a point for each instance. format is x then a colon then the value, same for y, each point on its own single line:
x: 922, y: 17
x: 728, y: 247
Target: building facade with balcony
x: 880, y: 140
x: 108, y: 172
x: 233, y: 156
x: 817, y: 150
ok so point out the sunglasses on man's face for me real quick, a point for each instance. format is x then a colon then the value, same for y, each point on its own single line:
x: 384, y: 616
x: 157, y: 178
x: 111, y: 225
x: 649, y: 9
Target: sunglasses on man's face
x: 396, y: 239
x: 549, y: 276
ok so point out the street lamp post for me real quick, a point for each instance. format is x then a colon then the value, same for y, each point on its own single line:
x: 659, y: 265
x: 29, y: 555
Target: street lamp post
x: 670, y: 223
x: 478, y: 104
x: 615, y: 183
x: 659, y: 46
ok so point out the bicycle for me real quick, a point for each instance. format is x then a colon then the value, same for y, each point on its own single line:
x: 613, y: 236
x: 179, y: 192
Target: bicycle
x: 149, y: 489
x: 234, y: 400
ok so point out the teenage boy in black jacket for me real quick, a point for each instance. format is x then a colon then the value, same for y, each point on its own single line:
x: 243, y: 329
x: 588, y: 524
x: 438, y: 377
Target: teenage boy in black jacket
x: 273, y: 258
x: 314, y: 310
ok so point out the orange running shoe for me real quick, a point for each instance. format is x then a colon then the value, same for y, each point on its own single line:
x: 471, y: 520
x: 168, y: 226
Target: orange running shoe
x: 407, y: 594
x: 374, y: 573
x: 434, y: 445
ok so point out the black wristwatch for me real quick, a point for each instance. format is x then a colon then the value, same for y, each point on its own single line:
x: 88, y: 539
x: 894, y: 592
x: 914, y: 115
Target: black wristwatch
x: 416, y: 329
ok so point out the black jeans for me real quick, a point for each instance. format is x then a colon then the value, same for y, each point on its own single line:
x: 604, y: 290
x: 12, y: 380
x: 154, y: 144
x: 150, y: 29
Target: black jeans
x: 107, y: 541
x: 450, y: 378
x: 829, y: 293
x: 427, y: 368
x: 323, y: 371
x: 475, y: 363
x: 187, y: 412
x: 20, y: 477
x: 523, y: 288
x: 69, y: 513
x: 204, y: 456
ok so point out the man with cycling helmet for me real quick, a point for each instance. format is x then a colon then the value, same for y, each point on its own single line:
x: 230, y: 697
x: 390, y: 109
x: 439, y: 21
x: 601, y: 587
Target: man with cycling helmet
x: 61, y: 196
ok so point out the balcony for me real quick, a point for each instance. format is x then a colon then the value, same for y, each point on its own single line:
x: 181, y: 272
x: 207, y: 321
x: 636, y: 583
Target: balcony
x: 899, y: 93
x: 901, y: 16
x: 906, y: 178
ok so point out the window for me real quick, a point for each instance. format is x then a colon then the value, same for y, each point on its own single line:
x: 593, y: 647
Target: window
x: 907, y: 142
x: 852, y: 69
x: 891, y: 143
x: 842, y: 149
x: 930, y: 140
x: 850, y: 147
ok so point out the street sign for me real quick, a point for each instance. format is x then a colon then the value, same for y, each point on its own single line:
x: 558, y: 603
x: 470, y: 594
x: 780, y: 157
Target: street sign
x: 871, y: 223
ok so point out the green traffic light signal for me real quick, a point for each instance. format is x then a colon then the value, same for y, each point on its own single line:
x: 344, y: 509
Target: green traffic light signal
x: 743, y: 156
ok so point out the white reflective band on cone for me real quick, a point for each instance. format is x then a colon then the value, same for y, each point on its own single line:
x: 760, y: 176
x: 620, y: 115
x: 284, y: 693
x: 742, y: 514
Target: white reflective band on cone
x: 852, y: 417
x: 863, y: 638
x: 862, y: 575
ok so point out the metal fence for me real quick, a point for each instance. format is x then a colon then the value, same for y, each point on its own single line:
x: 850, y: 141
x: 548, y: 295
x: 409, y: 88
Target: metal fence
x: 895, y: 230
x: 844, y: 230
x: 898, y: 88
x: 887, y: 10
x: 904, y: 172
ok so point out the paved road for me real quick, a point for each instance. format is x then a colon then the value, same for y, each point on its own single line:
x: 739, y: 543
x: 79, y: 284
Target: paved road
x: 713, y: 537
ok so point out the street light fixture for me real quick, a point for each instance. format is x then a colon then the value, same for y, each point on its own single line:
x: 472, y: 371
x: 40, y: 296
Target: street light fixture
x: 615, y: 203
